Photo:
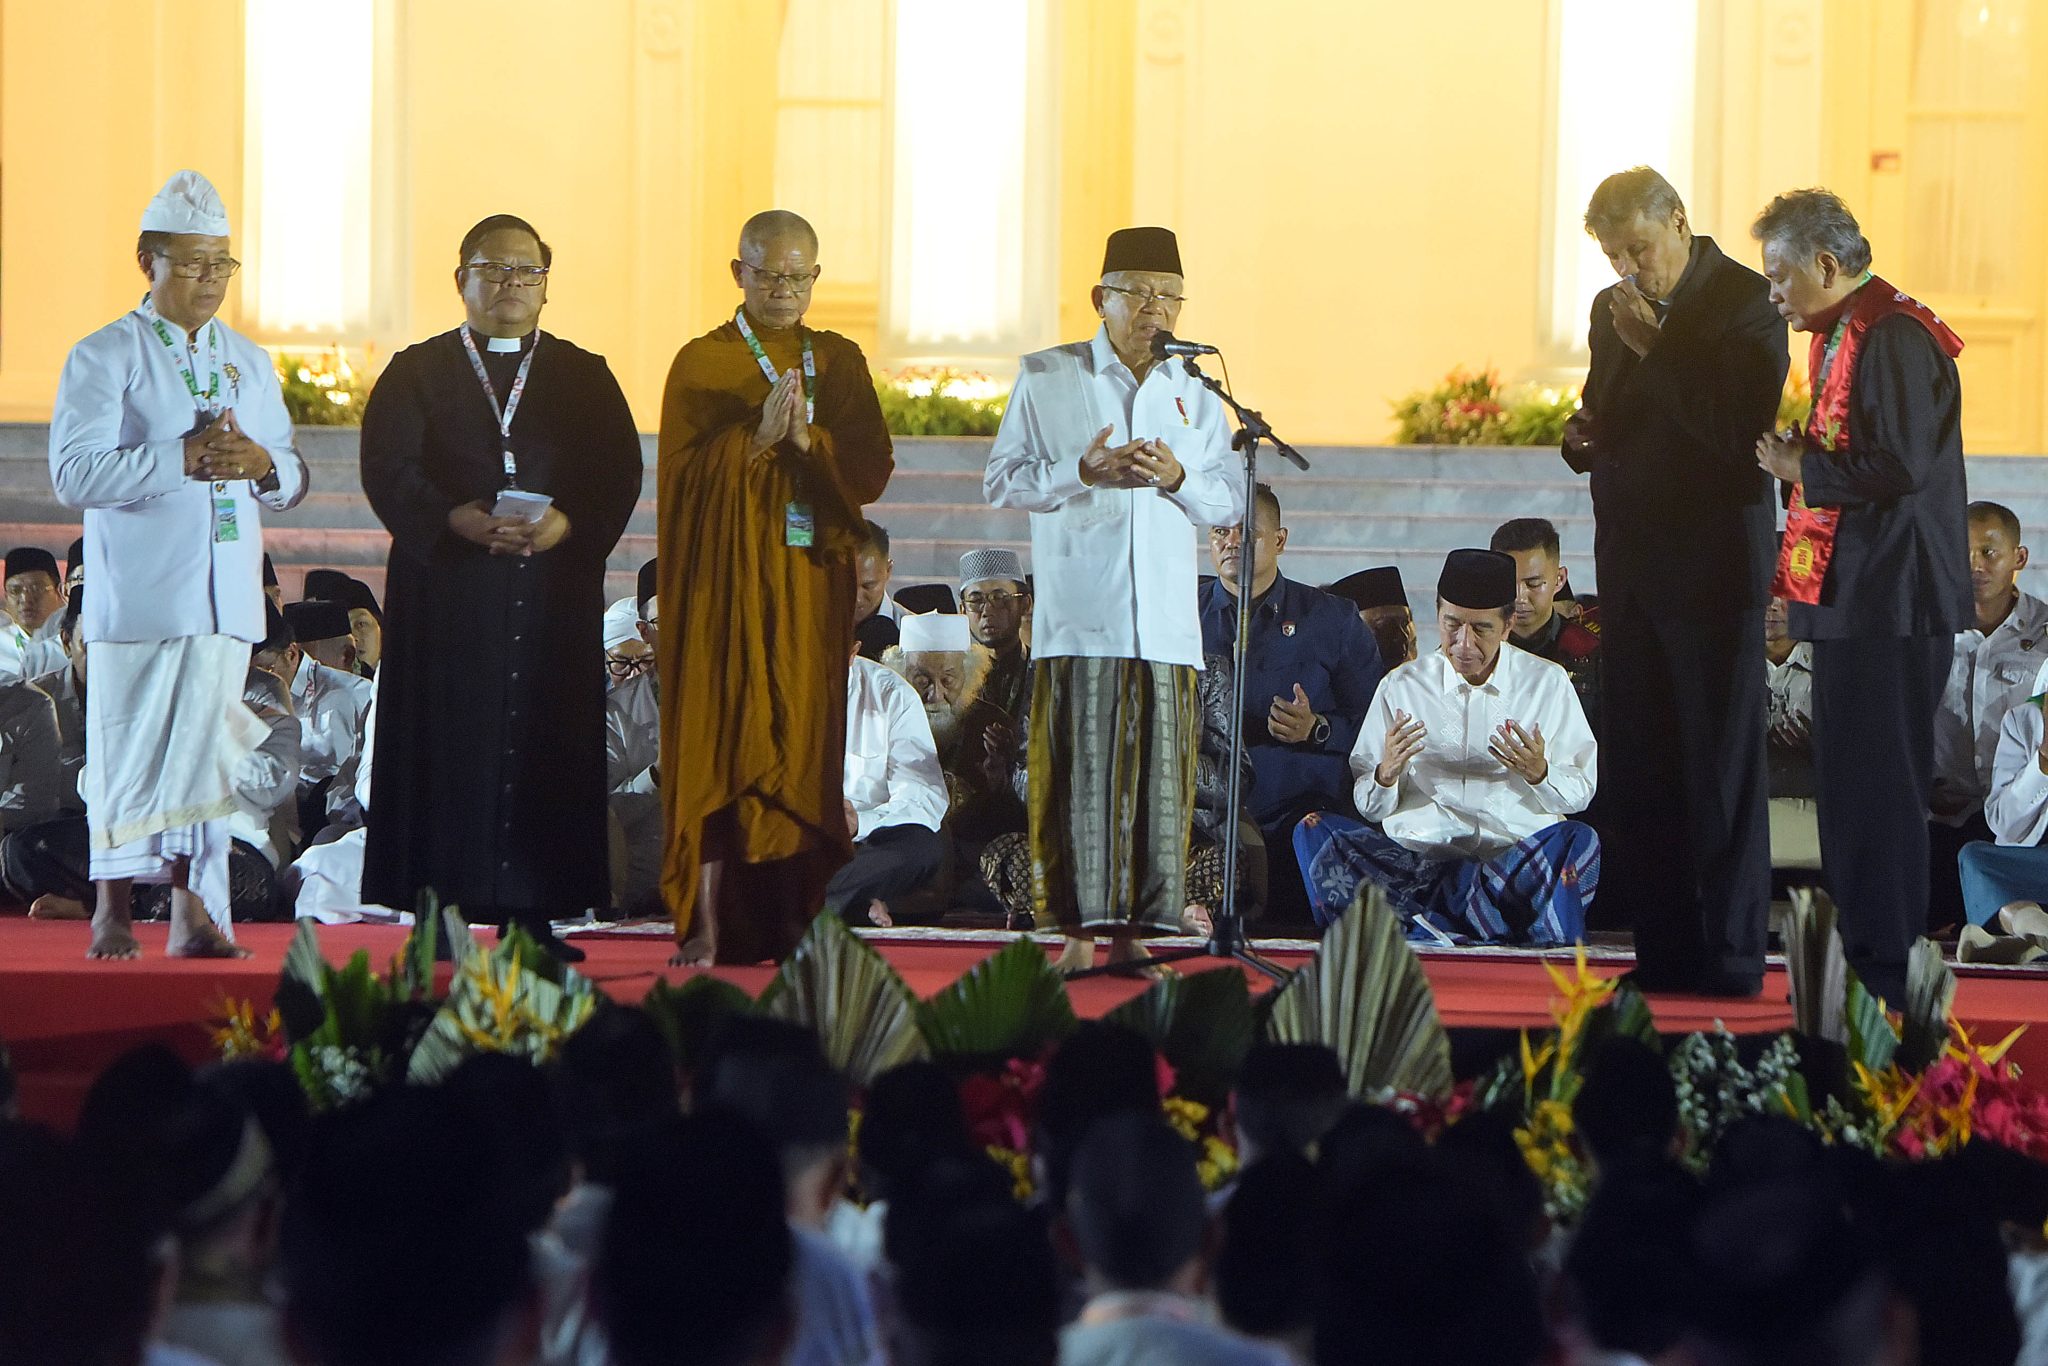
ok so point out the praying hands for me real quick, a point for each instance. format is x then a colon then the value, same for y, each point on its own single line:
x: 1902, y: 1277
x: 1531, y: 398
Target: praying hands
x: 1522, y: 751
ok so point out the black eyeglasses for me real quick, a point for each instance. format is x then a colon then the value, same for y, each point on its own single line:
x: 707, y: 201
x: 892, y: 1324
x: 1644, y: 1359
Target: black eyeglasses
x: 622, y: 667
x: 506, y: 272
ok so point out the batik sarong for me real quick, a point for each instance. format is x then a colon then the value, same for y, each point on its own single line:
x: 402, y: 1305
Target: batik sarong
x: 1533, y: 893
x: 1112, y: 791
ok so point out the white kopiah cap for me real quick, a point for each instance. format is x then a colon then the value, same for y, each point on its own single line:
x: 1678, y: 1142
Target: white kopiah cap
x: 187, y: 203
x: 934, y: 633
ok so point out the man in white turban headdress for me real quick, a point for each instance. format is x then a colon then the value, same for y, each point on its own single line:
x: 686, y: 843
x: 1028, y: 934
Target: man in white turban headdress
x: 171, y: 435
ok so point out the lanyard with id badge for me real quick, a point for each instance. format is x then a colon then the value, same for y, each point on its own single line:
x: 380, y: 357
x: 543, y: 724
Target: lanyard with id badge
x: 226, y: 526
x: 799, y: 523
x: 512, y: 501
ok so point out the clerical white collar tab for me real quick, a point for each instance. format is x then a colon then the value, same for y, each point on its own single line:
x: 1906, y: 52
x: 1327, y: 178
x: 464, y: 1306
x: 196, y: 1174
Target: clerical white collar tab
x: 504, y: 343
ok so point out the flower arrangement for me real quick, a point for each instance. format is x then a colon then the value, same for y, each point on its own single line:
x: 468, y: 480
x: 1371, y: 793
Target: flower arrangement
x: 941, y: 401
x: 1473, y: 408
x: 322, y: 390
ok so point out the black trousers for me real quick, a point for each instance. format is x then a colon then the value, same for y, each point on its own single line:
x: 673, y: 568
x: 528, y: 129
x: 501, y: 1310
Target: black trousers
x: 1873, y: 767
x: 50, y: 858
x: 1944, y: 872
x: 1685, y: 815
x: 892, y: 862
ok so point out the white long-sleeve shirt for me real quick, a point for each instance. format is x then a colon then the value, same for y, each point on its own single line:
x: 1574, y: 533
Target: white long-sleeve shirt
x: 1114, y: 568
x: 28, y: 655
x: 1989, y: 672
x: 1456, y: 800
x: 2017, y: 809
x: 154, y: 548
x: 267, y: 779
x: 632, y: 734
x: 330, y: 706
x: 892, y: 764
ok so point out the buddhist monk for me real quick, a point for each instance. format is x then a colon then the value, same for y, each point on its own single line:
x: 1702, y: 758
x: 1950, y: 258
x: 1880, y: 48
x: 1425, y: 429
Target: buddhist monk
x: 772, y: 442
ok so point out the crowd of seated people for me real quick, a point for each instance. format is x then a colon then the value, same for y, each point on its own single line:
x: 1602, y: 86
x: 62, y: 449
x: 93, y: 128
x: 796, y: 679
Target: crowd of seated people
x: 617, y: 1206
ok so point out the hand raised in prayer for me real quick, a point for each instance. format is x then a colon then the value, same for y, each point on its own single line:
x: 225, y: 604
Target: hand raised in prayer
x: 1104, y: 466
x: 1405, y: 735
x: 1291, y: 720
x: 1792, y: 731
x: 998, y: 754
x: 224, y: 451
x: 799, y: 426
x: 1635, y: 320
x: 1781, y: 454
x: 1521, y: 749
x: 775, y: 413
x: 1159, y: 467
x: 852, y: 818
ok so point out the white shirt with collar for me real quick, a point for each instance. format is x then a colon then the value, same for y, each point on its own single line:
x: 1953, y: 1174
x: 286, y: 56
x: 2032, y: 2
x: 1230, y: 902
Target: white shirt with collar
x: 632, y: 734
x: 1987, y: 674
x: 2017, y: 809
x: 892, y: 765
x: 1115, y: 568
x: 330, y: 705
x: 1456, y: 800
x: 1791, y: 686
x: 26, y: 655
x: 154, y: 551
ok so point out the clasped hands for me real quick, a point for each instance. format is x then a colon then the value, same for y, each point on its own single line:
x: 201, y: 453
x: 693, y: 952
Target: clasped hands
x: 1781, y: 454
x: 1519, y: 748
x: 223, y: 451
x: 783, y: 417
x: 473, y: 522
x: 1145, y: 464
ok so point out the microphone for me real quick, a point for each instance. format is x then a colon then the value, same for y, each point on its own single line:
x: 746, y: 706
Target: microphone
x: 1166, y: 344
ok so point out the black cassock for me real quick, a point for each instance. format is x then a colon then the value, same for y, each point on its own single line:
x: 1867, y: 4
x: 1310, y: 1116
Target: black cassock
x: 488, y: 773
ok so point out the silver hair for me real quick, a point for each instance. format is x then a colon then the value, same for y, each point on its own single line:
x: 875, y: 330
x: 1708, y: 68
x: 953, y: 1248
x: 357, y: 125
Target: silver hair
x: 1625, y: 196
x: 1809, y: 222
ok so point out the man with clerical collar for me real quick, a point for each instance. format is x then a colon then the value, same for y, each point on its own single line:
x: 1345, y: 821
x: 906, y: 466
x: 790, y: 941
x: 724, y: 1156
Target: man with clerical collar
x: 1469, y: 762
x: 1875, y: 565
x: 505, y: 462
x: 1991, y: 670
x: 1118, y: 455
x: 1381, y: 601
x: 1310, y: 671
x: 772, y: 444
x: 170, y: 432
x: 1538, y: 626
x: 1688, y: 361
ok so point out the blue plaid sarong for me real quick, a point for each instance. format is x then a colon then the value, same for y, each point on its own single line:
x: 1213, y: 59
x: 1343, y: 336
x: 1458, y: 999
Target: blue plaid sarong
x: 1533, y: 893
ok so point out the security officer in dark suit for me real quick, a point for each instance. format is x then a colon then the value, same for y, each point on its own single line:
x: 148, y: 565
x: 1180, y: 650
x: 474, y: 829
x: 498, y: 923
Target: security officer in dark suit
x: 1688, y: 364
x: 1311, y: 669
x: 1883, y: 455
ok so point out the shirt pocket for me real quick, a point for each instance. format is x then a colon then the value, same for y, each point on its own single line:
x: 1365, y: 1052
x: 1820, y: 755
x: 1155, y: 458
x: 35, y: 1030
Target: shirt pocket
x: 867, y: 780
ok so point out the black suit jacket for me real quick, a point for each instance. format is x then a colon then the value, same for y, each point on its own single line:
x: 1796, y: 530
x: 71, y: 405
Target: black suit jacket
x: 1902, y: 549
x: 1684, y: 519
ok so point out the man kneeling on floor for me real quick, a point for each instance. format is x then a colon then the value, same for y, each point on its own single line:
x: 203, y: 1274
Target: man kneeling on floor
x: 895, y: 794
x: 1468, y: 763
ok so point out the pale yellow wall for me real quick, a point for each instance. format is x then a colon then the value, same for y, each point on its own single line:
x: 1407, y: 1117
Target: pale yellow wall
x: 1359, y: 185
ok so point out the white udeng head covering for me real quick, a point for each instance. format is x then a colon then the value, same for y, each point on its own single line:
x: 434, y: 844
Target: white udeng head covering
x: 187, y: 203
x: 934, y: 633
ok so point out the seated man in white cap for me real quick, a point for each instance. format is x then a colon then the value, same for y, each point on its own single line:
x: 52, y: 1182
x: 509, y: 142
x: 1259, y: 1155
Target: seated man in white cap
x: 632, y: 752
x: 1469, y: 762
x: 170, y: 433
x: 895, y: 792
x: 995, y: 601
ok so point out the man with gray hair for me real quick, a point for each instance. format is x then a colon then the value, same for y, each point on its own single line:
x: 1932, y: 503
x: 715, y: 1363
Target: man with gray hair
x: 1875, y: 567
x: 1118, y: 454
x: 1688, y: 361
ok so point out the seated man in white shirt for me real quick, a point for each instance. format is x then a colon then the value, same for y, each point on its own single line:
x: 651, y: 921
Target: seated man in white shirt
x: 1992, y: 669
x: 1469, y: 761
x: 29, y: 645
x: 330, y: 699
x: 895, y: 796
x: 632, y: 752
x: 2015, y: 867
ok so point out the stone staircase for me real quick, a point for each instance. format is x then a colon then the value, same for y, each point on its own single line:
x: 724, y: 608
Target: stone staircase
x: 1357, y: 507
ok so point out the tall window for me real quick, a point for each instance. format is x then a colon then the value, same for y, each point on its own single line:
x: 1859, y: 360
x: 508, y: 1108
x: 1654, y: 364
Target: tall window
x: 831, y: 144
x: 1966, y: 126
x: 310, y: 84
x: 1626, y: 77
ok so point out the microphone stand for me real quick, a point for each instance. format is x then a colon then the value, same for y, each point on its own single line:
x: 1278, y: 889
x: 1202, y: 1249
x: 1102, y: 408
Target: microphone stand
x: 1227, y: 938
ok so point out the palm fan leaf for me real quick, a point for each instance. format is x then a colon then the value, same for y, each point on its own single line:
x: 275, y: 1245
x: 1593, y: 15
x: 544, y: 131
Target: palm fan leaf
x: 1365, y: 995
x: 301, y: 997
x: 499, y: 1003
x: 1202, y: 1023
x: 1011, y: 1004
x: 1930, y: 997
x: 860, y: 1009
x: 1815, y: 967
x: 461, y: 943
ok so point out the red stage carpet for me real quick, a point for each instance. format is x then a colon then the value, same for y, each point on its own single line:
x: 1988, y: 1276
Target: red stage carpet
x: 63, y: 1018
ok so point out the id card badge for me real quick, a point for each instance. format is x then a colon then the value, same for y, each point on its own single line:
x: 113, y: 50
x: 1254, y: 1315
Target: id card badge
x: 224, y: 527
x: 799, y: 529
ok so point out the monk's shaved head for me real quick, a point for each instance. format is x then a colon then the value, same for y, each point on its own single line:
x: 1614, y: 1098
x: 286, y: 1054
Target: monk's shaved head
x: 764, y: 231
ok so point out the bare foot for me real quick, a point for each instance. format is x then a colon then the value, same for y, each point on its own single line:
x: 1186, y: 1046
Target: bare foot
x: 1130, y: 949
x: 698, y: 948
x: 193, y: 933
x: 1196, y: 919
x: 879, y: 917
x: 53, y: 907
x: 113, y: 941
x: 1076, y: 955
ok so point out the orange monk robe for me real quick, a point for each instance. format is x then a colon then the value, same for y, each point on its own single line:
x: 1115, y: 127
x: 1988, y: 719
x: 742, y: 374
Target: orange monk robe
x: 755, y: 636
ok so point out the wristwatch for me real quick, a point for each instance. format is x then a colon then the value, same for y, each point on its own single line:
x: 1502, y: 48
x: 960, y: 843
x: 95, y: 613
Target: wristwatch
x: 1320, y: 732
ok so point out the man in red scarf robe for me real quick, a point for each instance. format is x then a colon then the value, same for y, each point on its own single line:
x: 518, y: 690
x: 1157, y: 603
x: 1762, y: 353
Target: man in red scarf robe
x: 1875, y: 563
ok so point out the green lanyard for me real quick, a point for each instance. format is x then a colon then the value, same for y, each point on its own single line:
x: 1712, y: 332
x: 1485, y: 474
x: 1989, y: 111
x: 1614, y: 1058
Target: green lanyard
x: 768, y: 367
x: 202, y: 399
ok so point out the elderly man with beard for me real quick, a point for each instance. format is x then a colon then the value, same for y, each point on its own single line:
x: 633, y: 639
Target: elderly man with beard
x: 895, y: 792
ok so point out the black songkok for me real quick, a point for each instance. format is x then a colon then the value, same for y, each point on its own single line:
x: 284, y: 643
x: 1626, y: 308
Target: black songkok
x: 1478, y: 580
x: 29, y: 558
x: 316, y: 619
x: 1380, y: 587
x: 648, y: 574
x: 276, y: 635
x: 331, y: 585
x: 1151, y: 249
